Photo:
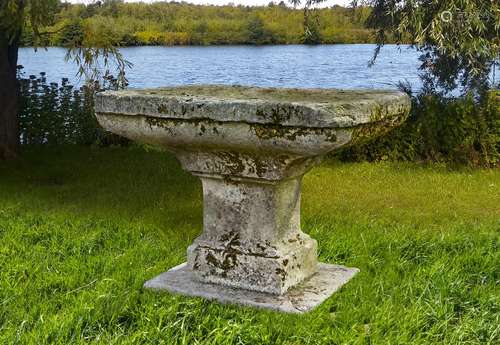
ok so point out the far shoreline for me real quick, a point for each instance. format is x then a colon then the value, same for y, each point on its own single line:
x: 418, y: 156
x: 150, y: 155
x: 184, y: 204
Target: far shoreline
x: 232, y: 45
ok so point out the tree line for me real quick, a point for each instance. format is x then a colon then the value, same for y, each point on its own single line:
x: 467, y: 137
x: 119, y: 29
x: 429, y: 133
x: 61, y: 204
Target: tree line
x: 180, y: 23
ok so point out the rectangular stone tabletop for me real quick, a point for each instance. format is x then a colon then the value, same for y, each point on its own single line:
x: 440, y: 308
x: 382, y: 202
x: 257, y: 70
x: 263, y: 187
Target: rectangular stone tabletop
x: 317, y: 108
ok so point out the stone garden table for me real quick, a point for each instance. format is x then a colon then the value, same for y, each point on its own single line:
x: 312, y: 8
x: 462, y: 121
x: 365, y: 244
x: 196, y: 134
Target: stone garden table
x: 250, y: 147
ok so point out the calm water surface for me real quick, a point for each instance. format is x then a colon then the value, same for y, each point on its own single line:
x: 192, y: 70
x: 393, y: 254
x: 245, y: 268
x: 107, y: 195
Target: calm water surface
x: 324, y: 66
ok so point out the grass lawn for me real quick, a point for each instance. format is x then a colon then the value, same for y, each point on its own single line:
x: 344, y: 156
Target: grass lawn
x: 81, y: 229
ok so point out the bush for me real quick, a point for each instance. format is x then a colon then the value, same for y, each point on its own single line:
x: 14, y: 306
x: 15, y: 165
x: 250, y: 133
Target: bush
x: 162, y: 38
x: 258, y: 33
x: 59, y: 114
x: 72, y: 34
x: 450, y: 130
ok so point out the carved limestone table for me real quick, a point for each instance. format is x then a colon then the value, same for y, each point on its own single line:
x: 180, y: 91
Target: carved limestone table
x: 250, y: 147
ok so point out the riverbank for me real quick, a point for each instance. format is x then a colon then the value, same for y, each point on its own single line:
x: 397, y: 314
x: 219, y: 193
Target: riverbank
x: 175, y: 23
x: 82, y: 228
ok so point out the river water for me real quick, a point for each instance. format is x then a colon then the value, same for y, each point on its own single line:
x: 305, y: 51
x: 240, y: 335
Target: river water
x: 325, y: 66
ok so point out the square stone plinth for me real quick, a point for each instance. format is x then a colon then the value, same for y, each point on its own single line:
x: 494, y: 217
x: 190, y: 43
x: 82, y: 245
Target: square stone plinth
x: 299, y: 299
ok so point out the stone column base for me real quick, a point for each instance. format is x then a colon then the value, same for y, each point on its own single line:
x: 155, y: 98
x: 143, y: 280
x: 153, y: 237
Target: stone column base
x: 299, y: 299
x: 230, y: 266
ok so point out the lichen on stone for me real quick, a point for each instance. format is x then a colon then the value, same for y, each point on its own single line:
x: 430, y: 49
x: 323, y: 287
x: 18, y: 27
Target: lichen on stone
x: 267, y: 132
x: 379, y: 126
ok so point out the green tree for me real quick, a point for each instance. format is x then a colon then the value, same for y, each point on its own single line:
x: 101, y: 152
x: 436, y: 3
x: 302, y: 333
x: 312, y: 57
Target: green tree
x: 311, y: 21
x: 12, y: 19
x: 257, y: 32
x: 312, y: 33
x: 458, y: 39
x: 72, y: 34
x: 34, y: 15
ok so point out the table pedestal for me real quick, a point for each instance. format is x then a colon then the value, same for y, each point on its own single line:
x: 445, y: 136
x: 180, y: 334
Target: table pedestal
x: 252, y: 250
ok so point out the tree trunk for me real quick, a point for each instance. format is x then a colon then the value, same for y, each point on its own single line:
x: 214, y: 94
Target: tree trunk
x: 9, y: 98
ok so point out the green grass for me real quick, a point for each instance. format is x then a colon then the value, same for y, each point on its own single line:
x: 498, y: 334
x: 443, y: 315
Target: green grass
x: 81, y: 229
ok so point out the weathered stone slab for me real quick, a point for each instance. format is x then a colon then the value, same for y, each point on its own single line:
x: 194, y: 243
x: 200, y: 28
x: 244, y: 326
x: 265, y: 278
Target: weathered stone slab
x: 299, y: 299
x: 307, y: 108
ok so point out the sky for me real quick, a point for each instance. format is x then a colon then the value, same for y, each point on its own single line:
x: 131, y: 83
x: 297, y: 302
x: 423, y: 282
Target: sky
x: 236, y: 2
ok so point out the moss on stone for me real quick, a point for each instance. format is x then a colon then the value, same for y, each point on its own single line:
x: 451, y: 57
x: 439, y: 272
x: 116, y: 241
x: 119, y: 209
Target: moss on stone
x: 232, y: 162
x: 169, y: 123
x: 380, y: 125
x: 163, y: 109
x: 266, y: 94
x: 267, y: 132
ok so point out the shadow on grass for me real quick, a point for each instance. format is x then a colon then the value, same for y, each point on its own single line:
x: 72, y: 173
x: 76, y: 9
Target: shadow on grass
x: 132, y: 184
